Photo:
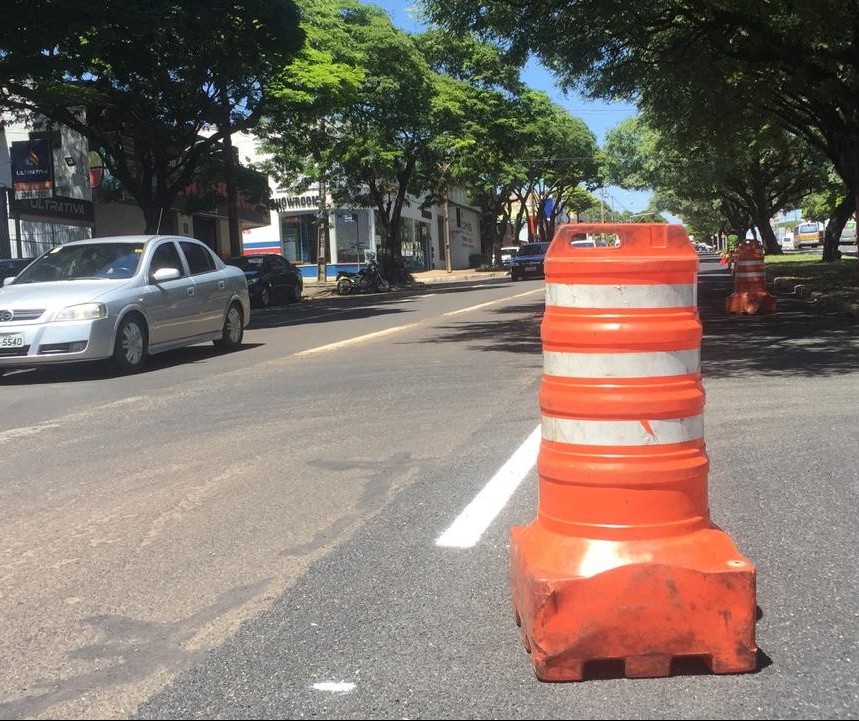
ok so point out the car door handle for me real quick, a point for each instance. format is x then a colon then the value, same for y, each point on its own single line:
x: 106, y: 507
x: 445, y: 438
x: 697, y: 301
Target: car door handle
x: 189, y: 291
x: 221, y: 285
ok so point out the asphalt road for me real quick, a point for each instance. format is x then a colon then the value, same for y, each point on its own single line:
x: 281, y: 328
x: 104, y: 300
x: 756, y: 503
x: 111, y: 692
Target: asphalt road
x: 255, y: 535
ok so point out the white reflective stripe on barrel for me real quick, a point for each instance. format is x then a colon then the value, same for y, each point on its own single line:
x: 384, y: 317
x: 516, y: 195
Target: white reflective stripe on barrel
x: 622, y: 433
x: 748, y: 275
x: 576, y: 295
x: 621, y: 365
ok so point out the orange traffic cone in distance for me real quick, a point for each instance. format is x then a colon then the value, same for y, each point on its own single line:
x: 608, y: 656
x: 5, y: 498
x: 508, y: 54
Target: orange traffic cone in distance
x: 750, y: 296
x: 622, y: 561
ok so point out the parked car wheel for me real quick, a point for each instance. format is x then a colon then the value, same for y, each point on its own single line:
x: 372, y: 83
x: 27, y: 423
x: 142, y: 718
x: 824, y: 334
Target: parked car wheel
x: 129, y: 348
x: 233, y: 332
x: 293, y: 294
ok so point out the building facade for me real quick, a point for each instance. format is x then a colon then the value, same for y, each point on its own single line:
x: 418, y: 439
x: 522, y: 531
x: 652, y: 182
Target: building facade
x: 82, y: 203
x: 353, y: 235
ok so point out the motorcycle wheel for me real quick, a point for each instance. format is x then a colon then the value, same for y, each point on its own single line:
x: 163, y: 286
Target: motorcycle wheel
x: 344, y: 286
x: 383, y: 285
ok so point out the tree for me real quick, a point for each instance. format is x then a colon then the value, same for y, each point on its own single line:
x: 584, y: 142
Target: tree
x: 371, y: 128
x: 751, y: 168
x: 796, y: 60
x: 153, y: 104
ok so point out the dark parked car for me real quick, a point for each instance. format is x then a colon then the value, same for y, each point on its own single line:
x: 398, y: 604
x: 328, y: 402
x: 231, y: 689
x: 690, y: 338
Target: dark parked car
x: 271, y: 278
x: 10, y: 267
x: 528, y: 261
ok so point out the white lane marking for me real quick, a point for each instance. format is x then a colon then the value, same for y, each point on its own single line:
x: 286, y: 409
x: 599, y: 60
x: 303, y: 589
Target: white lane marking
x: 475, y: 518
x: 356, y: 339
x: 399, y: 328
x: 492, y: 302
x: 334, y: 686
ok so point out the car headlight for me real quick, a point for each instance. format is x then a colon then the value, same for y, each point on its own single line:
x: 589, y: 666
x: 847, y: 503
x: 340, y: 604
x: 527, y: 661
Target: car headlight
x: 252, y: 282
x: 84, y: 311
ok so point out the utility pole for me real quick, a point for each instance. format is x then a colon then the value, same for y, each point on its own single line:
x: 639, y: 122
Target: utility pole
x: 322, y: 232
x: 444, y: 168
x: 447, y: 236
x: 5, y: 240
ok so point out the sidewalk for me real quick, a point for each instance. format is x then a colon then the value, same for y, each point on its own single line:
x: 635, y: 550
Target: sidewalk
x: 313, y: 287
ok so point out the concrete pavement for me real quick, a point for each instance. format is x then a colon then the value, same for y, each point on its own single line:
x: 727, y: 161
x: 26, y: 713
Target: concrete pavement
x: 313, y: 288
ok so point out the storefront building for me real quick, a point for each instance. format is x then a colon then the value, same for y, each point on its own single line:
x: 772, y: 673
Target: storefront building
x: 353, y: 235
x: 83, y: 203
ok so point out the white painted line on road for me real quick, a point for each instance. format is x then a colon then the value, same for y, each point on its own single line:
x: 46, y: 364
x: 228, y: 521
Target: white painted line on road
x: 466, y: 530
x: 356, y: 339
x: 334, y: 686
x: 399, y: 328
x: 493, y: 302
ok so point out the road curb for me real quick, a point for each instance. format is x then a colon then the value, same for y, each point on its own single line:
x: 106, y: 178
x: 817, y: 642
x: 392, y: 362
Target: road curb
x: 800, y: 290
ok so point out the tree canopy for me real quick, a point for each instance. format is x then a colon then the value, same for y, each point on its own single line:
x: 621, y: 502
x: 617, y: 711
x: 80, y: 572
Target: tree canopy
x: 155, y: 87
x: 795, y: 60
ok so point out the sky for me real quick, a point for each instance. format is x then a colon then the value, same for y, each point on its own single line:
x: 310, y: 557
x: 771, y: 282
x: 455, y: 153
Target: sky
x: 598, y: 116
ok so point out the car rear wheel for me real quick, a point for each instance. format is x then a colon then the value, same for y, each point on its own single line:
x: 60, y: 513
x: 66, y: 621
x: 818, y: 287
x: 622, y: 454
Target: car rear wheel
x: 293, y: 294
x: 129, y: 346
x: 233, y: 331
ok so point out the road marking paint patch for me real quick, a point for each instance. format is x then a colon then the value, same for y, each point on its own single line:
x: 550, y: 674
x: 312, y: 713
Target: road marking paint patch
x: 334, y: 686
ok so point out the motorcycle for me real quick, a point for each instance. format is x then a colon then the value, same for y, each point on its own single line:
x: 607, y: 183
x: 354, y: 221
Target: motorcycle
x: 366, y: 280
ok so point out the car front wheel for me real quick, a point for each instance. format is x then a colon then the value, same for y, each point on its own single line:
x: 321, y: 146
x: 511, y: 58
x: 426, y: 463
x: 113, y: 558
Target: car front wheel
x: 233, y: 331
x: 129, y: 347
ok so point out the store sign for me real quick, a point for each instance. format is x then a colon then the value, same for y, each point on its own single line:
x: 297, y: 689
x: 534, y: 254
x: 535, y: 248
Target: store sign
x: 70, y: 211
x: 32, y: 168
x: 293, y: 202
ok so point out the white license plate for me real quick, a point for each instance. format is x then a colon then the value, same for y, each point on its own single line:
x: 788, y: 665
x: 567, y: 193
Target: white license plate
x: 12, y: 340
x: 531, y: 266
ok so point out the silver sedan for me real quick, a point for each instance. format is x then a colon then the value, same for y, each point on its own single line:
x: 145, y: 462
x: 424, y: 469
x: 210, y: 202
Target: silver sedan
x: 120, y: 298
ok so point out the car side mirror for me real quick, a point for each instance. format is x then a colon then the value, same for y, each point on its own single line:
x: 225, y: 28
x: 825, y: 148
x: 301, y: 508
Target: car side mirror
x: 164, y: 274
x: 8, y: 279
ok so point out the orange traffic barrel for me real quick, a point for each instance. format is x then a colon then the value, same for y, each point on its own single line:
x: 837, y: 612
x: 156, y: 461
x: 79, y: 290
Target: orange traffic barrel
x: 750, y: 295
x: 622, y: 562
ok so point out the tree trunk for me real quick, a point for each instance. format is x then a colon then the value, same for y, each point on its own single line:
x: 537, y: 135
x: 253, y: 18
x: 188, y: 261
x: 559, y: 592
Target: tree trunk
x: 768, y: 237
x: 232, y: 195
x: 832, y: 235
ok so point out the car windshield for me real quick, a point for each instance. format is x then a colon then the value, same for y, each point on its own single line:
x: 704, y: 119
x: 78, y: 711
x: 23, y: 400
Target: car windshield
x: 246, y: 263
x: 533, y: 249
x: 85, y: 261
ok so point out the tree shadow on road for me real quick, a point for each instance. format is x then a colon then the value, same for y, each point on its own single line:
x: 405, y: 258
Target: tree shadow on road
x: 802, y: 338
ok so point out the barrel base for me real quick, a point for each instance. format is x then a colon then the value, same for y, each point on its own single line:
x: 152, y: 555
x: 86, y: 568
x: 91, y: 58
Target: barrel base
x: 644, y: 603
x: 751, y: 303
